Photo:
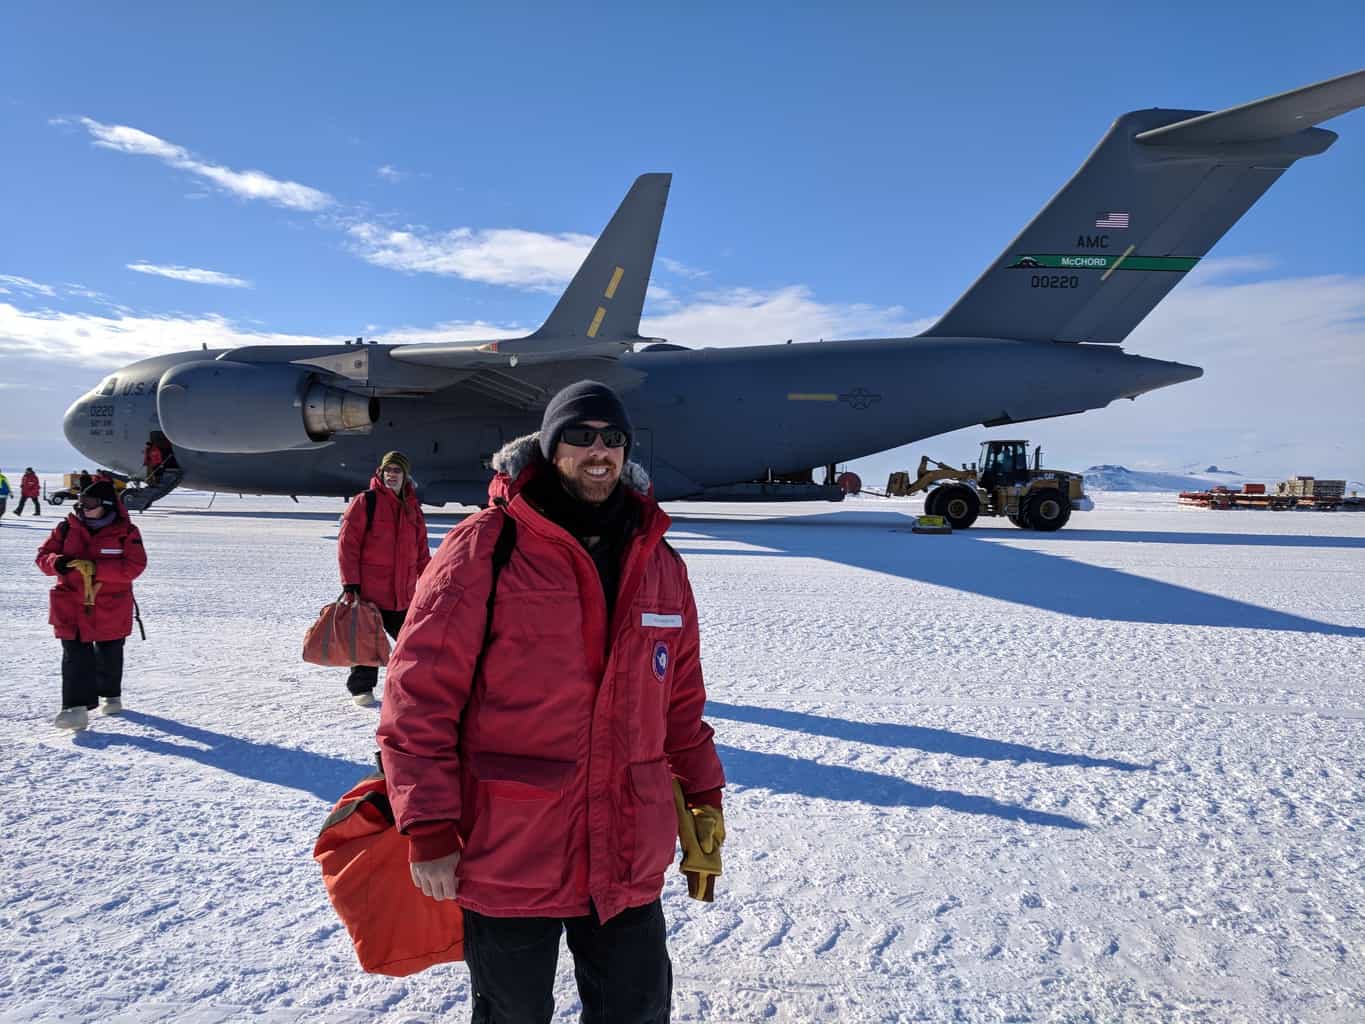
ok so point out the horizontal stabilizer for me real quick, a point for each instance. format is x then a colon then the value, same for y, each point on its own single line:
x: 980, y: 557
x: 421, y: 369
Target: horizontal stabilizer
x: 1270, y: 118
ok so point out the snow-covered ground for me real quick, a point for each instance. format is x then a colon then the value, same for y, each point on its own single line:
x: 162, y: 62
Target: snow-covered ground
x: 1114, y: 773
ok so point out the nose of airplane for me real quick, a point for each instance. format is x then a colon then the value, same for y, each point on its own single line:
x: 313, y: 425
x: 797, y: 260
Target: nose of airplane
x: 72, y: 422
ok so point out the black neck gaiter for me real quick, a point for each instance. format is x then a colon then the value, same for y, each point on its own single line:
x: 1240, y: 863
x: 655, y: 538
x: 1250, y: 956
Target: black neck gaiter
x: 604, y: 530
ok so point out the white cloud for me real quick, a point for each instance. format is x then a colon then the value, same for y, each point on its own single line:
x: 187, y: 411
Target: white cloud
x: 11, y: 282
x: 681, y: 269
x: 192, y: 274
x: 506, y: 256
x: 448, y: 331
x: 96, y: 341
x: 391, y: 174
x: 248, y: 184
x: 743, y: 316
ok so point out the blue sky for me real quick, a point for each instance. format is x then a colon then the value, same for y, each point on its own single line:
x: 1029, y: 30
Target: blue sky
x: 173, y: 174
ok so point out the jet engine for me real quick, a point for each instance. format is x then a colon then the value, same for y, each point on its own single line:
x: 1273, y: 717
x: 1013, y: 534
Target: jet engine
x: 241, y: 408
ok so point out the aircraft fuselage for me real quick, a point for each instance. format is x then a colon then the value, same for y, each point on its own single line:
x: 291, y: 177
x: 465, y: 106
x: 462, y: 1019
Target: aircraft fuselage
x: 703, y: 418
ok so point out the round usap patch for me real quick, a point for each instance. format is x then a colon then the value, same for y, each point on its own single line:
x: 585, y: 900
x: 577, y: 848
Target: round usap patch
x: 660, y: 660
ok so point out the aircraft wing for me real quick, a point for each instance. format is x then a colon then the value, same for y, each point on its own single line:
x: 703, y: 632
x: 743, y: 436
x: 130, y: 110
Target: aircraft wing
x: 525, y: 382
x: 596, y: 321
x: 511, y: 352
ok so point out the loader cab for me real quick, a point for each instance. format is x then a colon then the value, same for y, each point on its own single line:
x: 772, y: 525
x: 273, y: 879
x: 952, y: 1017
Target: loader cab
x: 1003, y: 463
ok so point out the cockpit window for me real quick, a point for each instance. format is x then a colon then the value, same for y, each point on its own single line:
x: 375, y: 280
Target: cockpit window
x: 109, y: 386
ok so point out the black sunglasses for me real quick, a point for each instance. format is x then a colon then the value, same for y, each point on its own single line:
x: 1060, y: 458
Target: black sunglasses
x: 582, y: 437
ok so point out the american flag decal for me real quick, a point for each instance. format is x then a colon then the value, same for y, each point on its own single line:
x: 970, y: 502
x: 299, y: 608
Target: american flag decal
x: 1111, y: 220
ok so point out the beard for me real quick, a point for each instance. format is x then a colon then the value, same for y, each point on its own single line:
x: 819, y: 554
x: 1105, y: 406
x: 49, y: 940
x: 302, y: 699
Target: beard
x: 593, y: 490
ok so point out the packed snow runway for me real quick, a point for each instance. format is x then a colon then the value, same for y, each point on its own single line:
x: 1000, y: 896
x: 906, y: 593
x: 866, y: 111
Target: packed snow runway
x: 1113, y: 773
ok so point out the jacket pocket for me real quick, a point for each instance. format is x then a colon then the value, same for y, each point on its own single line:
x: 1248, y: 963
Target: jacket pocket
x: 519, y: 834
x: 653, y: 820
x: 62, y: 607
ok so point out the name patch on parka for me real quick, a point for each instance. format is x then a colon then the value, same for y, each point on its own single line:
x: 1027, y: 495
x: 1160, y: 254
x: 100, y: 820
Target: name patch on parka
x: 661, y: 621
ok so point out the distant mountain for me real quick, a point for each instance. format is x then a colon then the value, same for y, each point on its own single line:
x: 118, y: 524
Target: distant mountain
x: 1225, y: 472
x: 1121, y: 478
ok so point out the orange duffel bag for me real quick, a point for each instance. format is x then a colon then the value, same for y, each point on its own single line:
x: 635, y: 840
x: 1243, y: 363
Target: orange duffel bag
x: 347, y: 632
x: 396, y: 928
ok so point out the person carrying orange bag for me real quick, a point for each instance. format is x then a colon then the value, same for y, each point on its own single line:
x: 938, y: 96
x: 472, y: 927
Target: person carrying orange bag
x: 382, y: 549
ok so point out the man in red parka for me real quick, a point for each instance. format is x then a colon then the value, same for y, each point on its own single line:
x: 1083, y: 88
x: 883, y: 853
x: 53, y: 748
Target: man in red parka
x: 95, y: 553
x: 382, y: 548
x: 534, y: 777
x: 29, y: 490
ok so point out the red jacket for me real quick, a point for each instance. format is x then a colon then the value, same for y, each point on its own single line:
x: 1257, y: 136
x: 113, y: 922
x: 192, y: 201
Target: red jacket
x: 554, y: 767
x: 387, y: 559
x: 119, y: 559
x: 28, y: 486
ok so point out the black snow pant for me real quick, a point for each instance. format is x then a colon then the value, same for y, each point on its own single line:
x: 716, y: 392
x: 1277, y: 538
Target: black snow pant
x: 622, y: 967
x: 91, y: 671
x: 3, y: 503
x: 364, y: 678
x: 37, y: 506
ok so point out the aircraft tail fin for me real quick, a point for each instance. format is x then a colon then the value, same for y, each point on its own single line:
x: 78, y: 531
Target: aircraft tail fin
x: 604, y: 300
x: 1161, y: 188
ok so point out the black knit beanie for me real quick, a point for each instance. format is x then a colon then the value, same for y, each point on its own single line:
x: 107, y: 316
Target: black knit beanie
x: 578, y: 403
x: 103, y: 491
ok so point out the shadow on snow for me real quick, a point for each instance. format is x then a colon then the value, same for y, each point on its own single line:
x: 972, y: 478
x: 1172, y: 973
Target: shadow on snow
x: 977, y: 562
x: 324, y: 777
x: 833, y: 782
x: 891, y: 734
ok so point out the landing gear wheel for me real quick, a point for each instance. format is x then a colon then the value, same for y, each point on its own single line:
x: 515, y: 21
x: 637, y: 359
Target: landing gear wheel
x: 1047, y: 511
x: 960, y: 506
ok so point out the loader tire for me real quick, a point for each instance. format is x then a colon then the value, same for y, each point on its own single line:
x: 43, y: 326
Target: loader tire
x: 1047, y: 510
x: 932, y: 501
x: 960, y: 506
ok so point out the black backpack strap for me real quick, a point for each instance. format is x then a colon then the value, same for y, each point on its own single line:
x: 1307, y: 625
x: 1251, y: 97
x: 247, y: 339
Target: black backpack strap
x: 370, y: 499
x: 502, y: 554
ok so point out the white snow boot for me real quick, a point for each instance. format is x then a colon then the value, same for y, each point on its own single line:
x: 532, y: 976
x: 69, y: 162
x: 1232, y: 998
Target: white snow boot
x: 76, y: 719
x: 111, y: 706
x: 364, y: 699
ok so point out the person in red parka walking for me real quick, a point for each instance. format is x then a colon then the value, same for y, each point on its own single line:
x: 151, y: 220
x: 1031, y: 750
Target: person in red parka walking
x: 382, y: 548
x: 531, y: 757
x: 29, y: 490
x: 96, y: 552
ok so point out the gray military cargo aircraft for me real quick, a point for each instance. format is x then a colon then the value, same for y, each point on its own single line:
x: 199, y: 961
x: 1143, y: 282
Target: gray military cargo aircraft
x: 1035, y: 336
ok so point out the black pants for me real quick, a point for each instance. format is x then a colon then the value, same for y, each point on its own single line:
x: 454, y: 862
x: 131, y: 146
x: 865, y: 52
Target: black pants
x: 91, y: 671
x: 37, y: 506
x: 622, y: 967
x: 364, y: 678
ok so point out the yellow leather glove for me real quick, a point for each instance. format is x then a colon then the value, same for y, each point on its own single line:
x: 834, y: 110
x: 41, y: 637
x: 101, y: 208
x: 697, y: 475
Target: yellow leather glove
x: 87, y: 570
x: 701, y: 830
